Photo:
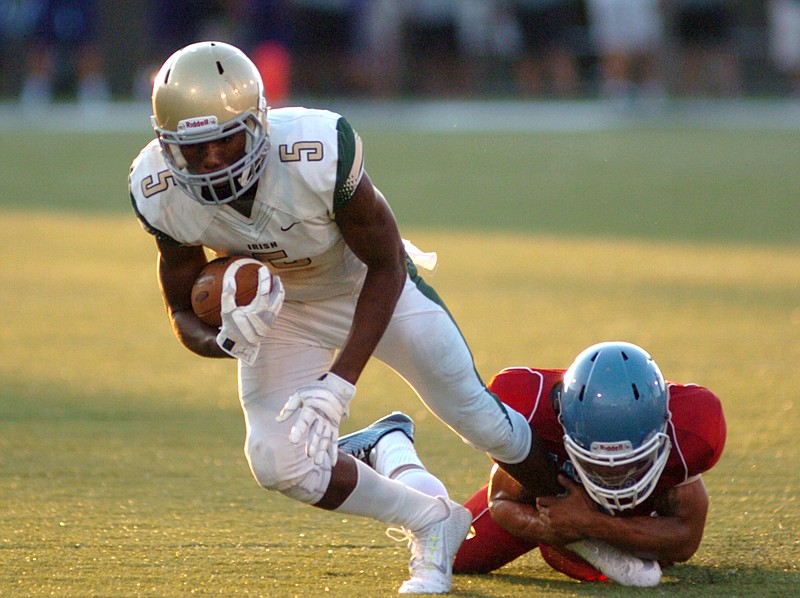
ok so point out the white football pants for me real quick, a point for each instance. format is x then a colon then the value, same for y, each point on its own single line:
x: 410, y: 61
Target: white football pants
x: 422, y: 344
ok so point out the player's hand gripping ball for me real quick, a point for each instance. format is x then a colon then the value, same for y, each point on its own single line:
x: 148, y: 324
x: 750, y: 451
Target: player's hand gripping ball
x: 207, y: 289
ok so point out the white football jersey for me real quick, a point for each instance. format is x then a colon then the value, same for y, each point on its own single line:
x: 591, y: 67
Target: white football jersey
x: 314, y: 164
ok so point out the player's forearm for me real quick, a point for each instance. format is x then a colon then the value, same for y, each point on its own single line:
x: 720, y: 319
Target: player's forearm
x: 657, y: 538
x: 199, y: 338
x: 520, y: 520
x: 374, y: 309
x: 177, y: 268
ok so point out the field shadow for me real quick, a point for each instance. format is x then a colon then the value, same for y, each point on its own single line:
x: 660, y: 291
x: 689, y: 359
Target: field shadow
x: 681, y: 580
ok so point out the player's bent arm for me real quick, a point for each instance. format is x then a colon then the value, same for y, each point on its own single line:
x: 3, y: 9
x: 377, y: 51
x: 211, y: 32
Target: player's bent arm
x: 512, y: 508
x: 370, y: 231
x: 178, y: 267
x: 674, y: 535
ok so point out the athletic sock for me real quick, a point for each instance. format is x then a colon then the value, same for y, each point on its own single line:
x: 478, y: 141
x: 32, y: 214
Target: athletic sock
x: 395, y: 452
x: 391, y: 502
x: 422, y: 480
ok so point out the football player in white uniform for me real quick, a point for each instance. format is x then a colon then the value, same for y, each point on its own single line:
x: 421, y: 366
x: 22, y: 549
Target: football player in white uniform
x: 288, y: 188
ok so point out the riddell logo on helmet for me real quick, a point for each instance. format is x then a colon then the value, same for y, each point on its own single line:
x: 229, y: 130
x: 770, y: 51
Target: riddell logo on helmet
x: 193, y: 124
x: 198, y: 125
x: 610, y: 447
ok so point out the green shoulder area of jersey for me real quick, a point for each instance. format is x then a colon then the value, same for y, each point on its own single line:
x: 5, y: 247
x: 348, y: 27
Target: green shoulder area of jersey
x: 350, y: 165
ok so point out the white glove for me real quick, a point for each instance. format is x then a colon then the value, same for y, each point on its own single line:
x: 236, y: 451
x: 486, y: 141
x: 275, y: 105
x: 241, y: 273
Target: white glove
x: 323, y: 405
x: 245, y: 327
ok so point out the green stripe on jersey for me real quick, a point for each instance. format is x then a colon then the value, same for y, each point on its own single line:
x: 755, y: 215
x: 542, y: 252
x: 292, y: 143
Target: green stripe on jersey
x: 350, y: 167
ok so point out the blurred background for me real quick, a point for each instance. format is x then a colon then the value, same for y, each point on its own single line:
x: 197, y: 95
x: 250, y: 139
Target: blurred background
x: 92, y: 52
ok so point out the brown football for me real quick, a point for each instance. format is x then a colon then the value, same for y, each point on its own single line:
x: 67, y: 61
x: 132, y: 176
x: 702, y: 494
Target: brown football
x: 207, y: 288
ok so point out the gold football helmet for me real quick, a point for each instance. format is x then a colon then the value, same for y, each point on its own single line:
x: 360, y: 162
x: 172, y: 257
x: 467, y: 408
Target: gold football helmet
x: 204, y: 92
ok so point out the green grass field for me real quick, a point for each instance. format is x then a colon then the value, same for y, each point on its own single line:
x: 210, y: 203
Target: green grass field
x: 121, y: 469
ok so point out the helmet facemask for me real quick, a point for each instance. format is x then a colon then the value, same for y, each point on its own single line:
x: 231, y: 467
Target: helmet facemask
x: 617, y: 476
x: 225, y: 185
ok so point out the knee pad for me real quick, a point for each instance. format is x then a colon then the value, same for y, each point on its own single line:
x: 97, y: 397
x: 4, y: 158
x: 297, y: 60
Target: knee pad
x: 285, y: 468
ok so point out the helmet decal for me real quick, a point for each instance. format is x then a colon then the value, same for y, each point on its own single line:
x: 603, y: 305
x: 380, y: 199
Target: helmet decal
x: 198, y: 125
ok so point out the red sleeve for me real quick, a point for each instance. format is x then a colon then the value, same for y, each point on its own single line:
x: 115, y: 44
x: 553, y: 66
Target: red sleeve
x: 699, y: 427
x: 528, y: 391
x: 519, y: 388
x: 489, y: 546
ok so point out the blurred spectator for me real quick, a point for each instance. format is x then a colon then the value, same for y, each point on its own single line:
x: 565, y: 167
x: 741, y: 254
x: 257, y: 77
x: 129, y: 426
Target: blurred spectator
x: 427, y: 46
x: 174, y: 24
x: 628, y: 37
x: 262, y: 31
x: 709, y: 64
x: 59, y: 40
x: 446, y: 45
x: 436, y: 47
x: 431, y: 47
x: 18, y: 20
x: 546, y: 62
x: 322, y: 34
x: 50, y: 49
x: 259, y: 27
x: 377, y: 59
x: 784, y: 37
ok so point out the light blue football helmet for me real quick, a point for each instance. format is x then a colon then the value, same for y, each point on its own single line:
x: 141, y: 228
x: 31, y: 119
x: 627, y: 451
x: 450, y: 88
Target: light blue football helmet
x: 614, y: 408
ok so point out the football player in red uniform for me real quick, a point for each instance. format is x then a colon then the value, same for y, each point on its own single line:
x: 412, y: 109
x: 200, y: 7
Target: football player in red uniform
x: 626, y: 453
x: 629, y: 449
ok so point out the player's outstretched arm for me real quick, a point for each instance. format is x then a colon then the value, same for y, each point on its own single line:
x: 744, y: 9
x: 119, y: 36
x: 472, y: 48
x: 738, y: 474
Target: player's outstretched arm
x: 370, y: 231
x: 178, y: 267
x: 673, y: 536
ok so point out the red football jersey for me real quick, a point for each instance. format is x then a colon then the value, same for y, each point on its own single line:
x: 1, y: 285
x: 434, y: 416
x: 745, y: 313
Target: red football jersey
x: 696, y: 429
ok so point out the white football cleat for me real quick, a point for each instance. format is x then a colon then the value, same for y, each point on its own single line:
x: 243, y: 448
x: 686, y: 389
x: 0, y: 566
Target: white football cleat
x: 618, y: 566
x: 433, y: 550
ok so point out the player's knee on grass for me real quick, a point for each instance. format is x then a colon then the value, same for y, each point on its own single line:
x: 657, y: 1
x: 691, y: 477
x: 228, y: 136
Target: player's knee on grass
x: 474, y: 557
x: 284, y: 467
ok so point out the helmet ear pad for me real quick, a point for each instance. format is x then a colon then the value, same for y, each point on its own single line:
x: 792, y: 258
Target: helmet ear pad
x: 555, y: 398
